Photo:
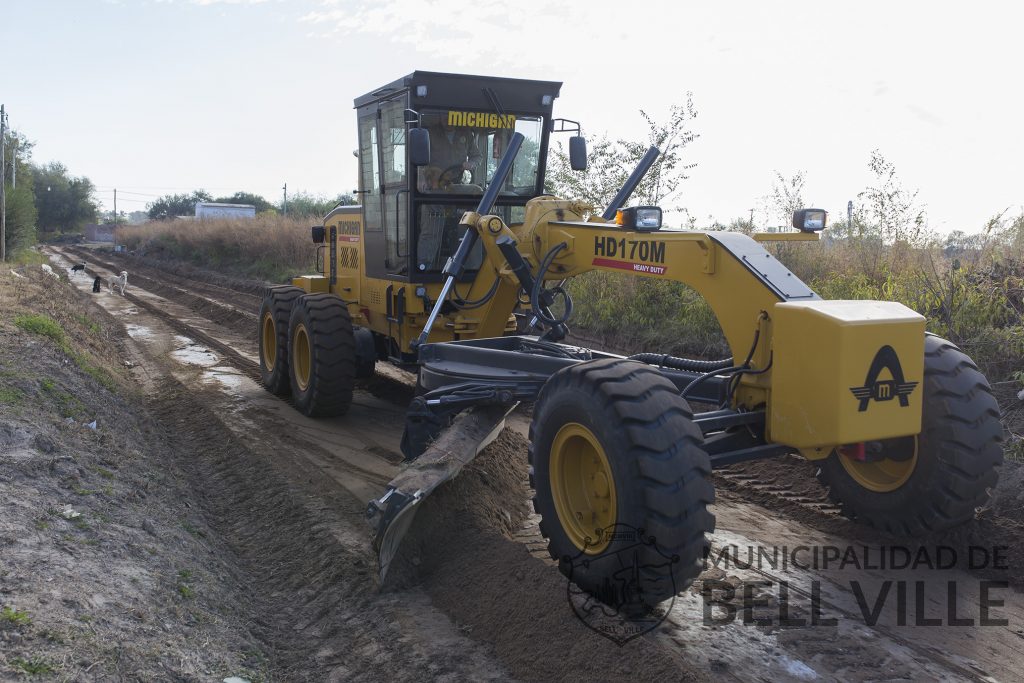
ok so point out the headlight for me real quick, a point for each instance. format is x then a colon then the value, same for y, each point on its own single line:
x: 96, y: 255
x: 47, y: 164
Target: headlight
x: 810, y: 220
x: 642, y: 218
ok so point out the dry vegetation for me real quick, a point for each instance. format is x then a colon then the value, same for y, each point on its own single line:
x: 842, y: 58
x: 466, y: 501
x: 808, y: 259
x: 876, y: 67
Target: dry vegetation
x: 266, y: 247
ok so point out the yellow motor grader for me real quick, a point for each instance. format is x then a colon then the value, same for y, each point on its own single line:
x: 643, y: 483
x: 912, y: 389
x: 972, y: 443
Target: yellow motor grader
x: 455, y: 234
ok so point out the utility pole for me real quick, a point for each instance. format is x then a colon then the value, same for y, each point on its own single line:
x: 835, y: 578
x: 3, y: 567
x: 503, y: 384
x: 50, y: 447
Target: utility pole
x: 849, y: 217
x: 751, y: 219
x: 115, y: 207
x: 3, y: 184
x: 285, y: 205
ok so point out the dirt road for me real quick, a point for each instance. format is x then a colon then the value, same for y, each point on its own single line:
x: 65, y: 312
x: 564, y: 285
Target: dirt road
x: 792, y: 591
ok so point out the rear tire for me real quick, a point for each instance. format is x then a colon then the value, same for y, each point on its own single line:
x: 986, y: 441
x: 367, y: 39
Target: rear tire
x: 614, y: 447
x: 323, y: 355
x: 272, y: 335
x: 952, y: 462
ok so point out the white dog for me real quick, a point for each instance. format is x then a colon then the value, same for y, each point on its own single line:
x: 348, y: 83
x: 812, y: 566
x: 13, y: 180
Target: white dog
x: 121, y: 282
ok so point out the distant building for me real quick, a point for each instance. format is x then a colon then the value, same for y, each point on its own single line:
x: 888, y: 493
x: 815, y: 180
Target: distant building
x: 218, y: 210
x: 99, y: 233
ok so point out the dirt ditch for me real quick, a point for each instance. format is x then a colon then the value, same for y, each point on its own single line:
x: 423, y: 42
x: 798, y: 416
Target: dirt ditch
x: 280, y: 502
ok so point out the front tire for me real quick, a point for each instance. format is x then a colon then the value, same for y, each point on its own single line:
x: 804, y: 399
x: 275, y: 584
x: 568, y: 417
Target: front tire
x: 613, y: 448
x: 938, y: 479
x: 323, y: 355
x: 272, y: 334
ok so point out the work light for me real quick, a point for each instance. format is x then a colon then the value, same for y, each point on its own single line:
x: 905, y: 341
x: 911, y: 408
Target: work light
x: 642, y: 218
x: 810, y: 220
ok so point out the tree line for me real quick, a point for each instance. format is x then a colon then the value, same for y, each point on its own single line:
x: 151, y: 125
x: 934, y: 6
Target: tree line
x: 42, y: 199
x: 300, y: 204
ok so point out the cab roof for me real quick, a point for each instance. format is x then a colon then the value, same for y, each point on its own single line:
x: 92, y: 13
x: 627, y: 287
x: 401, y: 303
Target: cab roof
x: 446, y: 90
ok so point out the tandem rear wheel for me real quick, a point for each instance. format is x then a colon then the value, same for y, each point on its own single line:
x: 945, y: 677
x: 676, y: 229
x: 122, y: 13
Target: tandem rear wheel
x: 322, y: 355
x: 272, y: 334
x: 912, y: 486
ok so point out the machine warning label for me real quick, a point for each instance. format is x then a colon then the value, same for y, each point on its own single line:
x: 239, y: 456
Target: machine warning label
x: 481, y: 119
x: 884, y: 390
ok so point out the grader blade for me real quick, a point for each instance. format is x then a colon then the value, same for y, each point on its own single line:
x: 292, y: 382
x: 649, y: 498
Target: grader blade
x: 392, y: 514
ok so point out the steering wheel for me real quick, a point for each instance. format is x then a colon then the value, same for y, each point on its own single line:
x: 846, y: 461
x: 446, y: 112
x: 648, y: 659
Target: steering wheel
x: 450, y: 175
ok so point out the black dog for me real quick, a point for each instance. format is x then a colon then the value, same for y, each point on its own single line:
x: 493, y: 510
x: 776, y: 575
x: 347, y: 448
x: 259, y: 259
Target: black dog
x: 77, y: 267
x: 96, y: 284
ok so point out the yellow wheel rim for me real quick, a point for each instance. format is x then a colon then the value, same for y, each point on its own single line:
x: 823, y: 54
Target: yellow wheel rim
x: 300, y: 356
x: 881, y: 476
x: 269, y: 341
x: 583, y: 488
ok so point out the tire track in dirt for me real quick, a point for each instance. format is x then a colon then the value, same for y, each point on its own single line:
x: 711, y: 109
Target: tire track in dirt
x: 337, y: 468
x: 216, y: 285
x: 218, y: 311
x: 303, y: 560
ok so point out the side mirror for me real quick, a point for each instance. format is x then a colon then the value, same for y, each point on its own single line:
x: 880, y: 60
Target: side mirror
x: 578, y: 153
x: 419, y: 146
x: 319, y: 232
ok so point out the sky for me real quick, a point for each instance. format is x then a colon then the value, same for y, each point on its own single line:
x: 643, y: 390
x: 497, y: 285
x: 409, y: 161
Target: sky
x: 159, y: 96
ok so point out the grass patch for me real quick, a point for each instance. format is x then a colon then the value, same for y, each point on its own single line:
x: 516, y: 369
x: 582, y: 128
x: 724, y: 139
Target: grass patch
x: 184, y: 590
x: 42, y: 325
x: 15, y: 616
x: 83, y: 491
x: 68, y: 404
x: 33, y: 666
x: 46, y: 326
x: 11, y: 396
x: 88, y: 324
x: 28, y: 257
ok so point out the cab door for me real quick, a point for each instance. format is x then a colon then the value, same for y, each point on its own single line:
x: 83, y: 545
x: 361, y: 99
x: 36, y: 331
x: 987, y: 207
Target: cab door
x: 385, y: 191
x: 395, y: 187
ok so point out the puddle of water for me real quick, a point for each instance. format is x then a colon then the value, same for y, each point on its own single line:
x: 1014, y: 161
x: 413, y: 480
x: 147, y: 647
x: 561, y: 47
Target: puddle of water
x: 227, y: 378
x: 191, y: 353
x: 138, y: 331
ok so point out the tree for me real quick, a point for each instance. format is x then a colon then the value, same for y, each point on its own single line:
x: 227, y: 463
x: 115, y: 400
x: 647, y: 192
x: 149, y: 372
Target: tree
x: 609, y: 163
x: 20, y: 204
x: 889, y: 211
x: 64, y: 202
x: 256, y: 200
x: 787, y: 196
x: 171, y: 205
x: 306, y: 204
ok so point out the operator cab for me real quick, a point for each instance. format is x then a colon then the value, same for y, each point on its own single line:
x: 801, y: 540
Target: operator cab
x: 412, y: 213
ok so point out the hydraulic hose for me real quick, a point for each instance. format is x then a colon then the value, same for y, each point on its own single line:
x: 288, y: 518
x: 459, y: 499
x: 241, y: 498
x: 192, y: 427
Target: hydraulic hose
x: 666, y: 361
